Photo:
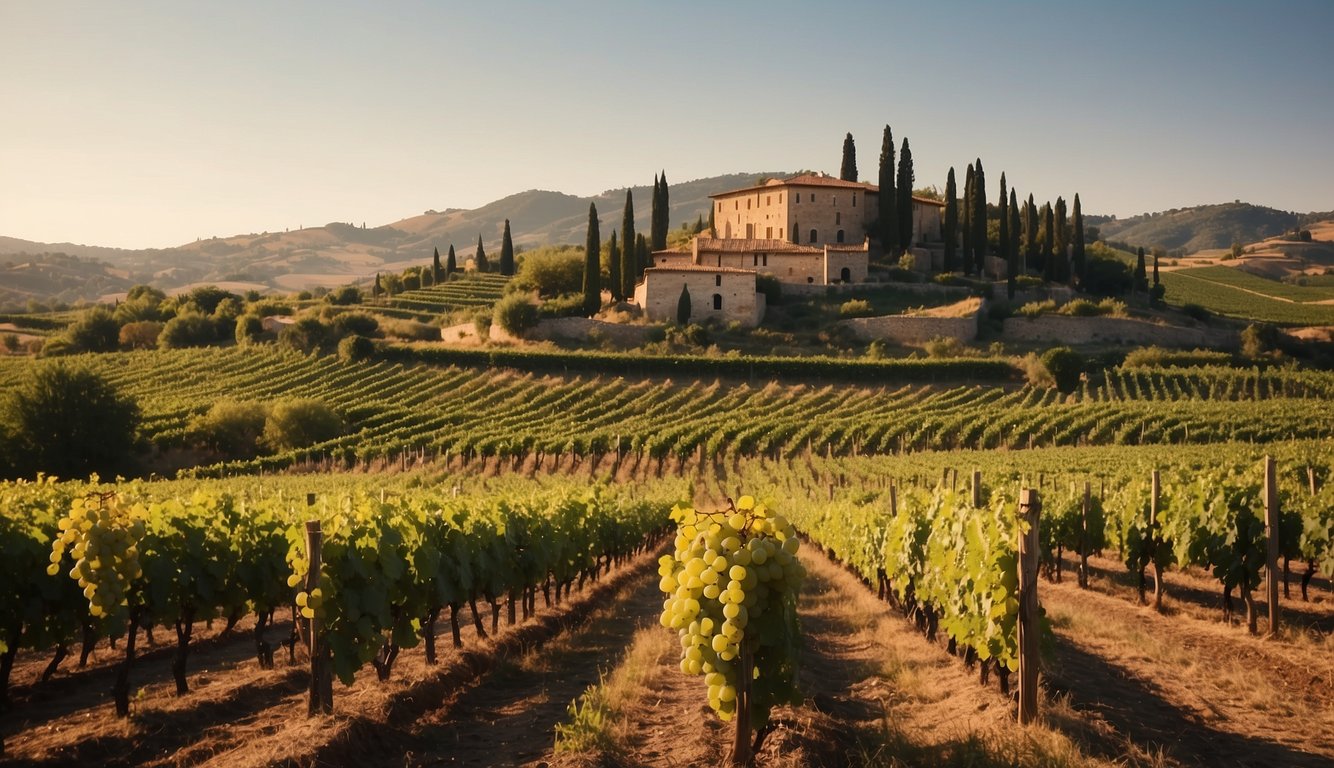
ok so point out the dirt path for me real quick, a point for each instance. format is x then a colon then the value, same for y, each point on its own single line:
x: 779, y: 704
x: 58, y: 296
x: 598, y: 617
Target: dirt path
x: 1201, y: 692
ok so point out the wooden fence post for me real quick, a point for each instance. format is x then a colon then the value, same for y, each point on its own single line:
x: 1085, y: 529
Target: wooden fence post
x: 977, y: 489
x: 321, y: 680
x: 893, y: 499
x: 1271, y: 534
x: 1084, y: 537
x: 1030, y: 511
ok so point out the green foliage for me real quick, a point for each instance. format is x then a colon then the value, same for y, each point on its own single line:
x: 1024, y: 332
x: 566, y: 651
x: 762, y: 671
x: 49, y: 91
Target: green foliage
x: 479, y: 261
x: 506, y: 251
x: 300, y: 422
x: 848, y: 169
x: 95, y: 331
x: 1065, y: 366
x: 683, y: 308
x: 354, y: 348
x: 515, y: 314
x: 1158, y: 357
x: 355, y: 323
x: 951, y: 232
x: 903, y: 182
x: 592, y: 283
x: 188, y: 330
x: 249, y: 329
x: 630, y: 267
x: 66, y: 421
x: 1201, y: 227
x: 142, y: 334
x: 206, y: 298
x: 771, y: 287
x: 305, y: 335
x: 1259, y: 340
x: 888, y: 205
x: 230, y: 427
x: 344, y: 296
x: 855, y: 308
x: 550, y: 271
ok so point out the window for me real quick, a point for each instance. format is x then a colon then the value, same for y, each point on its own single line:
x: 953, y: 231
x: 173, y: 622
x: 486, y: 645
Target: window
x: 720, y: 207
x: 765, y: 258
x: 833, y: 199
x: 789, y: 270
x: 814, y: 235
x: 780, y: 198
x: 812, y: 197
x: 755, y: 260
x: 838, y: 218
x: 768, y: 199
x: 769, y: 233
x: 839, y: 236
x: 846, y: 275
x: 717, y: 301
x: 854, y: 199
x: 748, y: 203
x: 736, y: 205
x: 796, y: 200
x: 718, y: 279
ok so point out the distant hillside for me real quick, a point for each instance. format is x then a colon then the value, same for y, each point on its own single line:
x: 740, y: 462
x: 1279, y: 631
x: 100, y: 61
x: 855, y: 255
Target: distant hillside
x: 56, y: 276
x: 339, y: 253
x: 1200, y: 228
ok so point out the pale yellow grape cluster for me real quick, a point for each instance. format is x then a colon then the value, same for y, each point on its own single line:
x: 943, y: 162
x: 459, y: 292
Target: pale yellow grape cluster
x: 103, y: 539
x: 729, y: 567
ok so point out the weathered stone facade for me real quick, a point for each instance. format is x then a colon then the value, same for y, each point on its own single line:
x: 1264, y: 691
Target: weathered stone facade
x: 813, y: 209
x: 716, y: 293
x: 819, y: 265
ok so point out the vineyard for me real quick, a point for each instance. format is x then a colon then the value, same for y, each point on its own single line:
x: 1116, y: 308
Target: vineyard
x: 1232, y: 292
x: 225, y: 568
x: 424, y: 304
x: 404, y: 414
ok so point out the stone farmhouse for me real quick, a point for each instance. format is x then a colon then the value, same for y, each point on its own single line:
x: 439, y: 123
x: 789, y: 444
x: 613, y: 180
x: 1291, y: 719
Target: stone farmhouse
x: 810, y: 229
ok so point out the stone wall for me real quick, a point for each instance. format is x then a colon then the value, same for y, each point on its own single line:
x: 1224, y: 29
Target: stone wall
x: 910, y: 329
x: 580, y: 329
x: 1060, y: 329
x: 731, y: 291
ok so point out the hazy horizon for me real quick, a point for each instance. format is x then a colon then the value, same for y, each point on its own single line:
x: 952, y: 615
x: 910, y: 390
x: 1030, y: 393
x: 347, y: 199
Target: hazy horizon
x: 153, y: 124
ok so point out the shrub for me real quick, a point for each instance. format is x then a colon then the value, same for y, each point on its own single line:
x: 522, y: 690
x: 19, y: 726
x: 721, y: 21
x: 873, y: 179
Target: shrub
x: 944, y: 346
x: 95, y: 331
x: 300, y: 422
x: 207, y: 298
x: 1036, y: 308
x: 344, y: 296
x: 355, y: 323
x: 515, y: 314
x: 1065, y: 367
x: 855, y: 308
x: 411, y: 330
x: 1196, y: 312
x: 481, y: 322
x: 552, y: 271
x: 1081, y: 308
x: 68, y: 422
x: 565, y: 305
x: 877, y: 349
x: 1158, y: 357
x: 142, y: 334
x: 354, y: 348
x: 11, y: 341
x: 305, y: 335
x: 230, y: 427
x: 249, y: 329
x: 1258, y: 340
x: 770, y: 286
x: 188, y: 330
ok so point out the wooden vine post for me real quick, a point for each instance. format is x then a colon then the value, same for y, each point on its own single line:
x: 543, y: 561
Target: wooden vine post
x: 1271, y: 536
x: 321, y: 677
x: 1030, y: 511
x: 1154, y: 541
x: 1084, y: 537
x: 977, y: 489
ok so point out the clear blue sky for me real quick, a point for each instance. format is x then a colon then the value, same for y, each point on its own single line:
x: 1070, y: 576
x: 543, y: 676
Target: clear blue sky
x: 148, y: 124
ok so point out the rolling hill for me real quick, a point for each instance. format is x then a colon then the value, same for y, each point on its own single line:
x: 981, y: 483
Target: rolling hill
x: 1201, y: 227
x: 339, y: 253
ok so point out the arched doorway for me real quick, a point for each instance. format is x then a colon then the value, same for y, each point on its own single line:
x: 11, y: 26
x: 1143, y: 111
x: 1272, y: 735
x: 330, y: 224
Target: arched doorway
x: 845, y: 275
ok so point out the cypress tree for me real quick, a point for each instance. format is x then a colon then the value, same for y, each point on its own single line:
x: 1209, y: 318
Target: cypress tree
x: 506, y: 252
x: 375, y: 287
x: 661, y: 213
x: 1049, y: 270
x: 479, y: 259
x: 904, y: 183
x: 1061, y: 242
x: 683, y: 307
x: 614, y: 269
x: 889, y: 212
x: 592, y: 264
x: 1003, y: 210
x: 979, y: 219
x: 968, y: 220
x: 1015, y: 265
x: 713, y: 232
x: 435, y: 266
x: 951, y: 222
x: 643, y: 259
x: 629, y: 262
x: 1078, y: 242
x: 848, y: 172
x: 1141, y: 279
x: 1156, y: 283
x: 1031, y: 254
x: 451, y: 263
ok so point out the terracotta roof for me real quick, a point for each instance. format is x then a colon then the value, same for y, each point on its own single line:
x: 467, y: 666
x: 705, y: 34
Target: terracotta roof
x: 928, y: 201
x: 745, y: 245
x: 804, y: 180
x: 702, y: 268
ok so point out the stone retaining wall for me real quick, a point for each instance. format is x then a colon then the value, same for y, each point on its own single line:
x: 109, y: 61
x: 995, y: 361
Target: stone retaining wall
x: 1061, y: 329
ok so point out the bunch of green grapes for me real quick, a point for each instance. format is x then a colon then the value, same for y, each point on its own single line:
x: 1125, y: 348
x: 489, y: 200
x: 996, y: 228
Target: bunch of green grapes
x: 102, y: 537
x: 732, y: 584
